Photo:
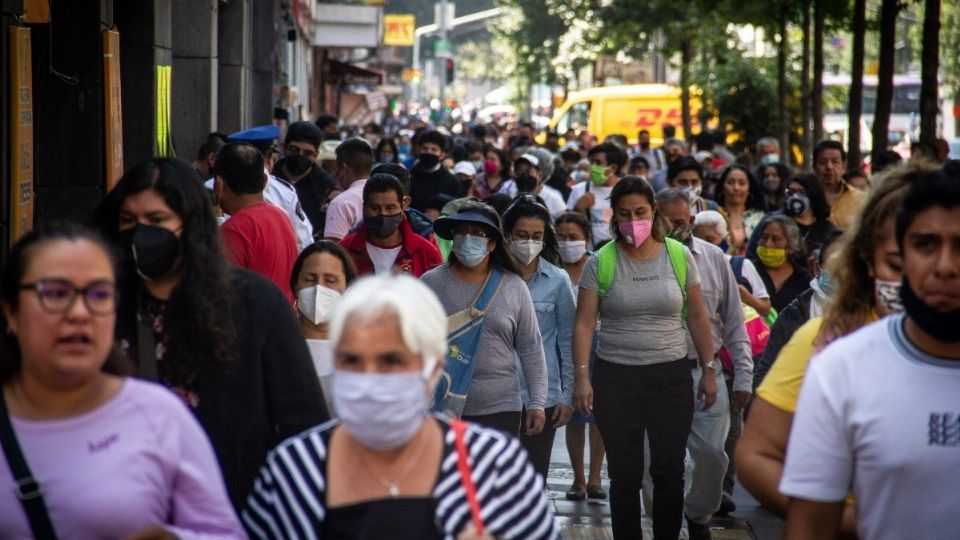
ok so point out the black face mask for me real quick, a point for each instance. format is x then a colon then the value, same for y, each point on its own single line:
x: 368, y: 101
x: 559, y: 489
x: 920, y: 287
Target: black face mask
x: 383, y: 226
x: 155, y: 250
x: 429, y: 161
x: 297, y: 165
x: 525, y: 183
x: 942, y: 326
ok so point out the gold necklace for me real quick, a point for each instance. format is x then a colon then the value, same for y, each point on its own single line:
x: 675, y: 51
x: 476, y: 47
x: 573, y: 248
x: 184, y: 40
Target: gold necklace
x: 393, y: 487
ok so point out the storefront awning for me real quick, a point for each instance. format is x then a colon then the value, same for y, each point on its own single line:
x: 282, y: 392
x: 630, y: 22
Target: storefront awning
x: 343, y: 73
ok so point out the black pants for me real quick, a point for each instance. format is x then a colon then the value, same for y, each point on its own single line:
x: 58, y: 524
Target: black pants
x: 629, y: 401
x: 736, y: 428
x: 540, y: 446
x: 508, y: 422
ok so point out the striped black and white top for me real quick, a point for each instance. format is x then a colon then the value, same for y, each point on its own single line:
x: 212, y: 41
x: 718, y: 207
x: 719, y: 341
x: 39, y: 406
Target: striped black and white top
x: 289, y: 496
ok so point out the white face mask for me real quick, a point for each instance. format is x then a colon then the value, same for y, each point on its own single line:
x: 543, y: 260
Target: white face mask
x: 222, y: 219
x: 382, y: 411
x: 526, y: 251
x: 693, y: 192
x: 316, y: 303
x: 572, y: 251
x: 888, y: 295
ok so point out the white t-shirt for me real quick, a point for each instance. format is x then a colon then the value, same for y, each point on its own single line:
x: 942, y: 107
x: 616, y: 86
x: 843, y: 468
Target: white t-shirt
x: 600, y: 214
x: 382, y: 258
x: 750, y: 274
x: 554, y: 200
x: 878, y: 417
x: 321, y: 352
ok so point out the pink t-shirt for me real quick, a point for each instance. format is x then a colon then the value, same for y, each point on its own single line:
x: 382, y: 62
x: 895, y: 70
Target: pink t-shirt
x: 345, y: 211
x: 137, y: 461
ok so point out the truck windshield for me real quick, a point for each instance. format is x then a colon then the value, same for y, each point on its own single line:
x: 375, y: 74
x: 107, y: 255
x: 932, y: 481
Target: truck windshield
x: 577, y: 116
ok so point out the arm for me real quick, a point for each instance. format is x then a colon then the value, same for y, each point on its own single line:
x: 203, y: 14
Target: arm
x: 760, y: 454
x: 735, y: 338
x: 585, y: 324
x: 565, y: 313
x: 759, y: 299
x: 809, y: 520
x: 762, y: 305
x: 700, y: 331
x: 529, y: 346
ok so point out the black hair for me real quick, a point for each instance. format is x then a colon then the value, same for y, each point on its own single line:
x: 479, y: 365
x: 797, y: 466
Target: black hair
x: 373, y: 127
x: 669, y: 130
x: 502, y: 156
x: 578, y: 219
x: 472, y: 146
x: 754, y: 196
x: 325, y: 120
x: 828, y: 241
x: 204, y: 297
x: 684, y: 163
x: 886, y: 159
x: 434, y: 137
x: 356, y: 154
x: 937, y: 189
x: 569, y: 154
x: 639, y: 161
x: 531, y: 206
x: 323, y: 246
x: 459, y: 153
x: 500, y: 257
x: 498, y: 201
x: 438, y: 201
x: 382, y: 183
x: 613, y: 153
x: 240, y: 165
x: 818, y: 200
x: 212, y: 145
x: 635, y: 185
x: 385, y: 142
x: 396, y: 170
x: 829, y: 145
x: 11, y: 279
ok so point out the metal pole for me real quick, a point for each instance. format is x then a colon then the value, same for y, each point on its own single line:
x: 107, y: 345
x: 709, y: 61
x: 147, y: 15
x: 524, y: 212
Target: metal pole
x: 441, y: 59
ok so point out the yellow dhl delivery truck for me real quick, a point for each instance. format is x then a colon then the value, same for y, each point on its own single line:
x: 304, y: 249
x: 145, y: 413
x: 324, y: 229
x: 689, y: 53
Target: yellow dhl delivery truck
x: 625, y: 110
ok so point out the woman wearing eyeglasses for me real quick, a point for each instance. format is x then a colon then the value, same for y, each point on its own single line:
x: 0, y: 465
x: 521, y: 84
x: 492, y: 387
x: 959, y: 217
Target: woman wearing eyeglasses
x: 533, y: 243
x: 223, y: 339
x: 510, y: 326
x: 109, y: 456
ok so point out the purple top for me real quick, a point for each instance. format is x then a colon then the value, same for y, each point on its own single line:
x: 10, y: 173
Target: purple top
x: 139, y: 460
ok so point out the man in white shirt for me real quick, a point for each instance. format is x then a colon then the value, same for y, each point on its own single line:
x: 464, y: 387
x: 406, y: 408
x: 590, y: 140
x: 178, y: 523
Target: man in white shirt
x: 354, y: 160
x: 592, y: 196
x: 879, y: 411
x: 531, y: 171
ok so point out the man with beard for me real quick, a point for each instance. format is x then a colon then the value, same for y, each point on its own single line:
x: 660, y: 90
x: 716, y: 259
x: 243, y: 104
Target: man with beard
x: 300, y: 168
x: 878, y: 411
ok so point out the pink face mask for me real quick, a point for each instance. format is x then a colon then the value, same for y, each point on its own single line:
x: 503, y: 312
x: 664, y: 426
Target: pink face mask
x: 636, y: 232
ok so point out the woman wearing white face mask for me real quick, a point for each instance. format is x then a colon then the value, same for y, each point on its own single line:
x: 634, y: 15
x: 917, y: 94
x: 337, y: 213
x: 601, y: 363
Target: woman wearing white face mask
x: 321, y: 274
x: 479, y: 262
x: 533, y: 244
x: 388, y: 469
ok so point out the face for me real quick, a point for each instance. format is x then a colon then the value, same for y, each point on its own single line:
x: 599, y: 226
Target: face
x: 639, y: 170
x: 687, y: 179
x: 383, y: 204
x: 431, y: 148
x: 375, y: 346
x: 767, y: 149
x: 931, y: 257
x: 475, y: 229
x: 829, y: 167
x: 644, y: 139
x: 148, y: 208
x: 795, y: 188
x: 570, y: 232
x: 633, y: 207
x: 67, y: 348
x: 708, y: 233
x: 528, y: 229
x: 301, y: 148
x: 736, y: 187
x: 676, y: 212
x: 324, y: 269
x: 774, y: 237
x: 674, y: 151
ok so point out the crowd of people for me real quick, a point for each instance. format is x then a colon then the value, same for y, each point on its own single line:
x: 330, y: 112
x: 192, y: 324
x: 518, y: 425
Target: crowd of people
x: 378, y: 335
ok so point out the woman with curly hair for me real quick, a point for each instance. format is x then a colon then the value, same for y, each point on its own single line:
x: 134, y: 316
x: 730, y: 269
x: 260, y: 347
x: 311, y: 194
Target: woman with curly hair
x: 221, y: 338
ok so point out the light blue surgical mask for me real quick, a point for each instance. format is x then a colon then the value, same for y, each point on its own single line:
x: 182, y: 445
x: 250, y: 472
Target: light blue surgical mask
x: 769, y: 159
x: 382, y: 411
x: 827, y: 282
x: 469, y: 249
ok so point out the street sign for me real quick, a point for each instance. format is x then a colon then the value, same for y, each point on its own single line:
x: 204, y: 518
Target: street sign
x: 398, y: 30
x: 442, y: 48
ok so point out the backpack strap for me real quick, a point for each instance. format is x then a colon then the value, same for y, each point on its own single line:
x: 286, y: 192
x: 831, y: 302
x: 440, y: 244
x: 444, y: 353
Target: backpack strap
x: 678, y: 259
x: 606, y: 264
x: 27, y: 489
x: 736, y: 263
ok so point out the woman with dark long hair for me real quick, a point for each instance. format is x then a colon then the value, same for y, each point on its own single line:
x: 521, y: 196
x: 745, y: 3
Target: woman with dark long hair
x: 479, y: 259
x: 533, y: 243
x: 386, y: 151
x: 772, y: 177
x: 740, y: 198
x: 221, y: 338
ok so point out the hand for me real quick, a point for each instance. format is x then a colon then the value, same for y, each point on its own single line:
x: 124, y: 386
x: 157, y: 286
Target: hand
x: 151, y: 533
x: 583, y: 396
x: 534, y: 421
x: 561, y: 415
x: 707, y: 390
x: 586, y: 201
x: 739, y: 400
x: 745, y: 295
x: 470, y: 533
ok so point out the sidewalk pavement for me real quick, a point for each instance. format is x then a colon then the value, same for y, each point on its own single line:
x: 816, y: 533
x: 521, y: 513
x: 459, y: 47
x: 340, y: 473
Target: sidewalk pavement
x: 591, y: 519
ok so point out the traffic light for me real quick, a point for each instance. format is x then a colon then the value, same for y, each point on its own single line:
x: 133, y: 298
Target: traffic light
x: 448, y: 70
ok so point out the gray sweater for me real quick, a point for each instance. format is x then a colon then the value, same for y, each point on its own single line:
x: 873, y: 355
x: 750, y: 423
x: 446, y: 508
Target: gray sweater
x: 509, y: 328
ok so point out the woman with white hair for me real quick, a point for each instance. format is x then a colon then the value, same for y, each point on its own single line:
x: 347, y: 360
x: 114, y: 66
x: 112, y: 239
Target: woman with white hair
x: 711, y: 226
x: 387, y: 468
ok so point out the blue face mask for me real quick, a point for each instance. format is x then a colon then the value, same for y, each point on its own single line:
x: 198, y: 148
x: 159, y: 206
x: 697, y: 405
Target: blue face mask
x: 404, y: 149
x: 827, y: 284
x: 724, y: 246
x: 470, y: 250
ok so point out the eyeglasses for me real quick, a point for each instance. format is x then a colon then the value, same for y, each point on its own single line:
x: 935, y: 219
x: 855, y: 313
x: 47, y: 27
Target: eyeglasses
x: 789, y: 191
x: 58, y: 295
x: 297, y: 151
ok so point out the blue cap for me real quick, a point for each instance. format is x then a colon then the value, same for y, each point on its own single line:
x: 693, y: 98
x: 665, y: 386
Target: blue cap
x: 265, y: 133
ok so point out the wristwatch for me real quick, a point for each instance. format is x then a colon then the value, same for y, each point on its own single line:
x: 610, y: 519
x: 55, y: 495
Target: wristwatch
x: 711, y: 365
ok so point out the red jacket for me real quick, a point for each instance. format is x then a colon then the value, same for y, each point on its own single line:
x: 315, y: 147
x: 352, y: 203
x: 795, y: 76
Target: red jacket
x: 417, y: 254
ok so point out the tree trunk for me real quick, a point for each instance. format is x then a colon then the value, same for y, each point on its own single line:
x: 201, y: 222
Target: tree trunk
x: 856, y: 84
x: 888, y: 34
x: 930, y: 65
x: 686, y: 55
x: 817, y: 89
x: 782, y: 120
x: 805, y: 89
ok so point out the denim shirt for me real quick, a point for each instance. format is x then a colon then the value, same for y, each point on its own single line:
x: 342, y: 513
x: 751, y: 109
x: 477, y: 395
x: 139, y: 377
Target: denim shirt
x: 555, y: 305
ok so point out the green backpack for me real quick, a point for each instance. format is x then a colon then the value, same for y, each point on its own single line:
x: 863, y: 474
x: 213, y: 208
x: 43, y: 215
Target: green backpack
x: 607, y: 263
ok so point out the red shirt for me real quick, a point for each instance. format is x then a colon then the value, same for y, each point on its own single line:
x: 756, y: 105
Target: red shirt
x: 260, y: 238
x: 417, y: 254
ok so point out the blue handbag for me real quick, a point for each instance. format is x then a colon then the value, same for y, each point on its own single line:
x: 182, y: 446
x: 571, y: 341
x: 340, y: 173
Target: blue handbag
x: 464, y: 329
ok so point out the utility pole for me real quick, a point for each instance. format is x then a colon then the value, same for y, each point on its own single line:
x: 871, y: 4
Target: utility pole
x: 441, y: 58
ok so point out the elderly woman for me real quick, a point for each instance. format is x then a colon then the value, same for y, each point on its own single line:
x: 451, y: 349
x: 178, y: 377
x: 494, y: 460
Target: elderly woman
x: 100, y: 455
x: 781, y: 260
x: 388, y: 469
